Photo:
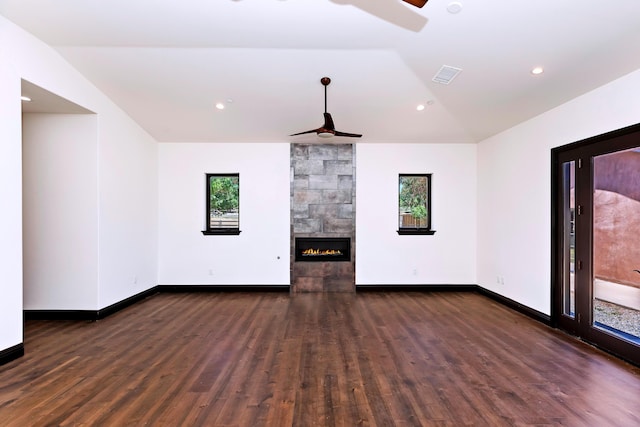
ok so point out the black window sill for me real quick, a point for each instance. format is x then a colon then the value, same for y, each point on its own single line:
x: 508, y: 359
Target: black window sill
x: 416, y: 232
x: 222, y: 232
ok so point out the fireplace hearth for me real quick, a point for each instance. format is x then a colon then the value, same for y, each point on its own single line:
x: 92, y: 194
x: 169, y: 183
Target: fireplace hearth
x: 322, y: 249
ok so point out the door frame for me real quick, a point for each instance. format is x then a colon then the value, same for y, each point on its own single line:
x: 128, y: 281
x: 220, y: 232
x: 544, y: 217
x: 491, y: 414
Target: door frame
x: 582, y: 323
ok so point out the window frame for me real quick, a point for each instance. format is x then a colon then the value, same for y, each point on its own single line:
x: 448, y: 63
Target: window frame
x: 212, y: 231
x: 418, y: 230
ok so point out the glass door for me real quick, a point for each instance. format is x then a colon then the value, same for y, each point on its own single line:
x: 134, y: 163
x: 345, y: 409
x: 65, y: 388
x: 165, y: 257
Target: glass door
x: 596, y: 241
x: 616, y: 243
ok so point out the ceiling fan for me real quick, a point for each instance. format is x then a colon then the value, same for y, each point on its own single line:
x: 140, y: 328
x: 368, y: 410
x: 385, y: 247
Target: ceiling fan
x: 416, y: 3
x: 328, y: 129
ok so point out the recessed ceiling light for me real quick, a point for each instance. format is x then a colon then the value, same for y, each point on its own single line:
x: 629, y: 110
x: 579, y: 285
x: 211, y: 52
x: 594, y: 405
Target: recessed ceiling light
x: 220, y: 106
x: 454, y: 7
x: 25, y: 98
x: 420, y: 107
x: 537, y: 70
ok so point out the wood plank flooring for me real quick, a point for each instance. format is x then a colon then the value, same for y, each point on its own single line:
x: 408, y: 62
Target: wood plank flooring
x: 269, y: 359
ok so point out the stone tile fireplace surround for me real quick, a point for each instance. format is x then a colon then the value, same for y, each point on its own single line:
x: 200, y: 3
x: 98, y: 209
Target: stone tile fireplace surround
x: 323, y: 205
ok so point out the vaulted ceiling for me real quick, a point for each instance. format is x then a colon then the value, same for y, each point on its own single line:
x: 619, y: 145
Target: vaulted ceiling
x: 167, y: 63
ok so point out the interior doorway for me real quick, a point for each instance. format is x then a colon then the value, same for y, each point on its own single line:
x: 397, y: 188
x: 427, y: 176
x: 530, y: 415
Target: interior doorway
x: 595, y: 241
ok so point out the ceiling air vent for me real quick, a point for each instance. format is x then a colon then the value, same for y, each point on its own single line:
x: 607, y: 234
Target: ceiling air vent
x: 446, y: 74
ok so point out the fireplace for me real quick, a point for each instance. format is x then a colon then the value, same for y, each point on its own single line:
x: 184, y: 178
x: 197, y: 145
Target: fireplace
x: 322, y: 249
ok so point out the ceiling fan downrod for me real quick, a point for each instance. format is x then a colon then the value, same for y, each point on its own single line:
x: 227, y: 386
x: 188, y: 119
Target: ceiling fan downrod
x: 325, y: 82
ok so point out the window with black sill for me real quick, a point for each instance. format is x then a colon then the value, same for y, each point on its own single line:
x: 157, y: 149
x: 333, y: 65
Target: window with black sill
x: 223, y: 204
x: 414, y: 204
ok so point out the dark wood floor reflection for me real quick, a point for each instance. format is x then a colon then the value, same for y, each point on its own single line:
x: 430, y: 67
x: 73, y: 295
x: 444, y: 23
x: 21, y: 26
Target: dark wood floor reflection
x: 374, y: 359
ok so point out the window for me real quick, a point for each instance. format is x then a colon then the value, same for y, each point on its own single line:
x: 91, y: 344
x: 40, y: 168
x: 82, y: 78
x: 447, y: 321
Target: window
x: 223, y: 204
x: 414, y: 204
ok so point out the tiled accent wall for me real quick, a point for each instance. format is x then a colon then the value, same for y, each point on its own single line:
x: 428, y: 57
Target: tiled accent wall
x: 323, y: 205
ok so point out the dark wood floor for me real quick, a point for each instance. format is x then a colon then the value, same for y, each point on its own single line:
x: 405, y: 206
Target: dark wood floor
x: 374, y: 359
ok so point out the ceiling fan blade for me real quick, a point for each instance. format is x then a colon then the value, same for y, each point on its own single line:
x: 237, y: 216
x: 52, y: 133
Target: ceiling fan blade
x: 352, y: 135
x: 331, y: 128
x: 328, y: 122
x: 307, y: 131
x: 416, y: 3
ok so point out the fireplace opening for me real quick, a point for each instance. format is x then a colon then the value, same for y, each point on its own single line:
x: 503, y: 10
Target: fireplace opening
x: 323, y: 249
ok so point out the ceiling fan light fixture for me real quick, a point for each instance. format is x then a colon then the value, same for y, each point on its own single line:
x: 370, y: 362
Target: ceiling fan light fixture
x: 325, y: 134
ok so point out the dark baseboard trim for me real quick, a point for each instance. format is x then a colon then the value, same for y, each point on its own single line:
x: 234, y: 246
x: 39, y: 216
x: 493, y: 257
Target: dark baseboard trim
x: 113, y: 308
x: 60, y: 315
x: 514, y: 305
x: 223, y: 288
x: 88, y: 315
x: 416, y: 288
x: 520, y: 308
x: 93, y: 315
x: 11, y: 353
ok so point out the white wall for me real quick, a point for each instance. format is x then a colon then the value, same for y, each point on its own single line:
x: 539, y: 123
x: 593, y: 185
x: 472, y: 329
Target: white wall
x: 11, y: 212
x: 514, y: 188
x: 60, y: 217
x: 385, y: 258
x: 127, y: 180
x: 128, y: 209
x: 186, y: 256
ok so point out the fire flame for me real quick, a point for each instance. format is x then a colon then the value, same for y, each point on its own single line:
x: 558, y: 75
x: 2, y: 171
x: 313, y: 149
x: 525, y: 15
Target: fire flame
x: 315, y: 252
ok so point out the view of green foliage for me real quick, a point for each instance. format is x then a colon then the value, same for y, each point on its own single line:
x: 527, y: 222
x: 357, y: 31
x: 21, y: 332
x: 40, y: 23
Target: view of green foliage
x: 224, y: 194
x: 413, y: 196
